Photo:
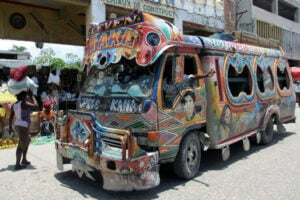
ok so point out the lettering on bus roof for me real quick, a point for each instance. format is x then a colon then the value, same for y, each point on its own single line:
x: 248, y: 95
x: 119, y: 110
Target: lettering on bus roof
x: 116, y: 23
x: 124, y: 37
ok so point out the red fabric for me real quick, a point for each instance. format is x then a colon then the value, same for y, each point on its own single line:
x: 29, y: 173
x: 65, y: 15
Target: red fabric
x: 295, y: 73
x: 19, y: 73
x: 46, y: 104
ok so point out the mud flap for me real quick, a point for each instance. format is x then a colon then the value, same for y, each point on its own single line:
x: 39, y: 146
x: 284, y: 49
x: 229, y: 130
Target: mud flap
x: 258, y: 137
x: 204, y: 138
x: 80, y: 167
x: 59, y: 161
x: 246, y: 144
x: 225, y: 153
x: 280, y: 128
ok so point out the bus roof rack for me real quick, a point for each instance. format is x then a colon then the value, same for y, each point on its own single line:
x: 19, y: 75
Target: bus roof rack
x: 247, y: 38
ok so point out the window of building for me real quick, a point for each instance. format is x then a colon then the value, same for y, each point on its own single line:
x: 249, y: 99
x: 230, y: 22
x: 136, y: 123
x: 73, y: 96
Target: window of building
x: 267, y: 30
x: 263, y: 4
x: 8, y: 56
x: 239, y: 82
x: 286, y: 10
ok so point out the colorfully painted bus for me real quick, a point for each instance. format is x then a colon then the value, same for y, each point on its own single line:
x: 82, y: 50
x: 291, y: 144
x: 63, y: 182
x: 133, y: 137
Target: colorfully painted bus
x: 139, y: 108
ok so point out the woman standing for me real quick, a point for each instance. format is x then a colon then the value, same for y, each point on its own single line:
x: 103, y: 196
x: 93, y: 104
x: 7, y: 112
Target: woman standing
x: 22, y: 109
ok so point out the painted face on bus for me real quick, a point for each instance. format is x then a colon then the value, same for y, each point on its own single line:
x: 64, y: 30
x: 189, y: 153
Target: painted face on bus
x: 189, y: 106
x: 227, y: 116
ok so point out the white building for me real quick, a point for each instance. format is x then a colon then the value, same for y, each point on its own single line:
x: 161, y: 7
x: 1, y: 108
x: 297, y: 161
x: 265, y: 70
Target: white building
x: 13, y: 59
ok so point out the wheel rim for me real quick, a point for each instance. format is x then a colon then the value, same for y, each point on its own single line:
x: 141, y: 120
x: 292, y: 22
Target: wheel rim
x: 192, y: 157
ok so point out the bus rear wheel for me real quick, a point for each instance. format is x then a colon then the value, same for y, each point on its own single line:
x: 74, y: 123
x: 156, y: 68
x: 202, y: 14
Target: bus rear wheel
x: 267, y: 134
x: 187, y: 162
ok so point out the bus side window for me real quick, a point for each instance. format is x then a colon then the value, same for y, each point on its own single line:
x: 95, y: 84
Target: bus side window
x: 168, y: 85
x: 239, y: 82
x: 190, y: 67
x: 283, y: 78
x: 175, y: 77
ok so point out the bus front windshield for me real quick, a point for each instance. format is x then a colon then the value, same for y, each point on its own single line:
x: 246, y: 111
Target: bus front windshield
x: 125, y: 78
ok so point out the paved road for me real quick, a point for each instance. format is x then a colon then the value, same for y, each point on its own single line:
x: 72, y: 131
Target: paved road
x: 265, y: 172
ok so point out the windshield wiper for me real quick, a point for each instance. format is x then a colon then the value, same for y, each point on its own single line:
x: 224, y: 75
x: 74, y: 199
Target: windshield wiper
x: 89, y: 93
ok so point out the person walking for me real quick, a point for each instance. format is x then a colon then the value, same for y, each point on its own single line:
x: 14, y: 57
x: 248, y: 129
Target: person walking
x: 21, y: 110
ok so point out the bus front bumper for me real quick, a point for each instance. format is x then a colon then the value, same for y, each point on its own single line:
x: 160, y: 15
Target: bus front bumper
x: 118, y: 175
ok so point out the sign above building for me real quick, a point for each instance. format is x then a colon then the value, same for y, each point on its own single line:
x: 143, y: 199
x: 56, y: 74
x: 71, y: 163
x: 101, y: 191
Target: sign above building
x: 162, y: 7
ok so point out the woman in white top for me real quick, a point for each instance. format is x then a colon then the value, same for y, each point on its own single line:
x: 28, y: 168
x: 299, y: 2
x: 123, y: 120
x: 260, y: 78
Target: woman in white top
x: 21, y: 110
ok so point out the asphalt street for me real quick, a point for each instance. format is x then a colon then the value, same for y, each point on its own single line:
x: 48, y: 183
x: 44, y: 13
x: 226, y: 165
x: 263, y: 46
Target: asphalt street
x: 264, y: 172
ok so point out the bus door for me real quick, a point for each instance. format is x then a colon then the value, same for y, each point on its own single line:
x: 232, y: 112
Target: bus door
x: 180, y: 95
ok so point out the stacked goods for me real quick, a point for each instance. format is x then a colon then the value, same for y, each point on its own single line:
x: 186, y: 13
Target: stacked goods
x: 295, y: 73
x: 8, y: 143
x: 19, y: 81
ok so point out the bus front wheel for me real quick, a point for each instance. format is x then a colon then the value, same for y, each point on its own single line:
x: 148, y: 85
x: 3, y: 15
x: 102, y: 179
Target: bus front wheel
x: 187, y: 162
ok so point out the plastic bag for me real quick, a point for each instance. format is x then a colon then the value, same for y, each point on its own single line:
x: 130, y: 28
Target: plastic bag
x: 15, y: 87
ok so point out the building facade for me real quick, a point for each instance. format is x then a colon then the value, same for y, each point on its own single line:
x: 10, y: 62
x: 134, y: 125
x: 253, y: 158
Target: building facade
x: 198, y: 17
x: 274, y: 19
x: 67, y: 21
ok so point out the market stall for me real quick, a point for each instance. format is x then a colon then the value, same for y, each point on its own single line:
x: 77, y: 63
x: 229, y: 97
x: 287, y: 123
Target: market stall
x: 6, y: 100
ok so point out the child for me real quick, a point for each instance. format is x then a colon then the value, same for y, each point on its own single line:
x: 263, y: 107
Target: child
x: 47, y: 113
x: 47, y: 117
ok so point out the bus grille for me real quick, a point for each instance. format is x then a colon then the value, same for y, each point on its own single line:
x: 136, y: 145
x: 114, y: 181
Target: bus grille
x: 110, y: 139
x: 114, y: 142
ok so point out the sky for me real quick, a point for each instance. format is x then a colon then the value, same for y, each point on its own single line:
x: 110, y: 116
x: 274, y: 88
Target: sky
x: 59, y: 49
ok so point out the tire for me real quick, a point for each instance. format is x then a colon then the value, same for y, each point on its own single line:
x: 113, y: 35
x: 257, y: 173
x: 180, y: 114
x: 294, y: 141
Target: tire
x: 267, y: 134
x: 187, y: 162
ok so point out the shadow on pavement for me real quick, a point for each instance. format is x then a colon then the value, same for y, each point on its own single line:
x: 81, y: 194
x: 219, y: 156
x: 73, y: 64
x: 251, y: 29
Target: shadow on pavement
x: 12, y: 168
x: 211, y: 160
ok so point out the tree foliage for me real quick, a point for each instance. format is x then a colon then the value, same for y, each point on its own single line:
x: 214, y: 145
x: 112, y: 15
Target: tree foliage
x: 57, y: 63
x: 18, y: 48
x: 73, y: 61
x: 46, y: 58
